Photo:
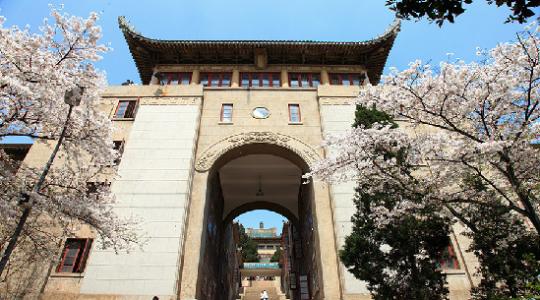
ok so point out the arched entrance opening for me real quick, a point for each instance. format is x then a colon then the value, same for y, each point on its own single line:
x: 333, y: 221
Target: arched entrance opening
x: 263, y: 253
x: 246, y: 178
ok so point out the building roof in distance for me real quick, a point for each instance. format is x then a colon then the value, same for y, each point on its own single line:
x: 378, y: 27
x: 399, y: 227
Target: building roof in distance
x: 261, y: 232
x: 148, y: 52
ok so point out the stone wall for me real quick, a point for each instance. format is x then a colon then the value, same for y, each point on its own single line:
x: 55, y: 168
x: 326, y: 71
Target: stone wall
x: 153, y: 186
x: 337, y: 116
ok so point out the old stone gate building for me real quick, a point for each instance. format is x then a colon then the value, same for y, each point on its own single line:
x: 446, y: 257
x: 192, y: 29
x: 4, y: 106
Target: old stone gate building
x: 216, y: 129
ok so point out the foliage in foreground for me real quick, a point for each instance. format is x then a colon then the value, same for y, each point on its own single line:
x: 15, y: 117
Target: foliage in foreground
x: 398, y: 255
x: 467, y: 129
x: 440, y: 11
x: 36, y: 70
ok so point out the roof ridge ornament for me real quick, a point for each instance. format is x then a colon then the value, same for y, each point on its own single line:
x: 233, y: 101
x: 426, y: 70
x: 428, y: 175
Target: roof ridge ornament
x: 124, y: 25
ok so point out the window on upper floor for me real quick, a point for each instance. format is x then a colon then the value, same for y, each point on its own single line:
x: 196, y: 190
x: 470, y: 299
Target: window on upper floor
x: 119, y: 147
x: 74, y: 255
x: 125, y: 109
x: 356, y: 79
x: 304, y: 80
x: 449, y: 260
x: 226, y: 113
x: 294, y: 113
x: 216, y: 79
x: 14, y: 155
x: 182, y: 78
x: 93, y: 188
x: 260, y: 79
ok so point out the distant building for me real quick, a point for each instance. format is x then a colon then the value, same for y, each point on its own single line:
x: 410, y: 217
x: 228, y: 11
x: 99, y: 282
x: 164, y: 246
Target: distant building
x: 267, y: 241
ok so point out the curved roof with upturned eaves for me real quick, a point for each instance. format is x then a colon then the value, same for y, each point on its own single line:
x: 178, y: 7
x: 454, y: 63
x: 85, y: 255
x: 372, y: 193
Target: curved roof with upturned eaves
x: 148, y: 52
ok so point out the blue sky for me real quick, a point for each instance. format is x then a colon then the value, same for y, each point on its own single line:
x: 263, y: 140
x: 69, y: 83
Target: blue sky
x: 339, y: 20
x: 271, y: 219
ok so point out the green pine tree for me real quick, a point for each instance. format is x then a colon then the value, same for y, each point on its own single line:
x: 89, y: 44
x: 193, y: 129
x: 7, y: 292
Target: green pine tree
x: 400, y: 259
x: 248, y: 246
x: 276, y: 256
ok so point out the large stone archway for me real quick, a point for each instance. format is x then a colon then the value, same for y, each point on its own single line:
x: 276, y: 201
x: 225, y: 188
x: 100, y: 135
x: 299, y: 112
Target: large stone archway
x: 313, y: 200
x: 222, y: 151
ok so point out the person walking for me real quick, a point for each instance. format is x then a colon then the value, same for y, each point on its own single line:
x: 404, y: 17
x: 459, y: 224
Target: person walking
x: 264, y: 295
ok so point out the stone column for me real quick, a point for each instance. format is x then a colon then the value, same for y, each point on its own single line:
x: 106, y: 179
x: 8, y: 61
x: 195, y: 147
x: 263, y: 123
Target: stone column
x: 325, y: 78
x: 326, y: 242
x: 235, y: 80
x: 337, y: 115
x: 284, y: 78
x: 195, y: 77
x: 195, y: 227
x: 154, y: 80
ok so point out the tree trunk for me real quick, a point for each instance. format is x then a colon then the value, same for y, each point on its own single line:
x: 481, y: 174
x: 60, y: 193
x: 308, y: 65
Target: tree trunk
x: 28, y: 206
x: 13, y: 240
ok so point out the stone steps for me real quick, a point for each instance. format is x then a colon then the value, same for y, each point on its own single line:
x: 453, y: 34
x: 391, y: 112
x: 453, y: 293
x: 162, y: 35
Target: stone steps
x: 254, y: 292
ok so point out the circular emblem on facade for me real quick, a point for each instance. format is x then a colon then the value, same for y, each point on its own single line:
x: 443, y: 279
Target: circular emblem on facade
x: 260, y: 112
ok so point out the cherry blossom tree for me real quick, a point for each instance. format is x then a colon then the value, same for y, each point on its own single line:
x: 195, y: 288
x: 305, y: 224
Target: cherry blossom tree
x: 398, y: 255
x: 43, y: 76
x: 467, y: 129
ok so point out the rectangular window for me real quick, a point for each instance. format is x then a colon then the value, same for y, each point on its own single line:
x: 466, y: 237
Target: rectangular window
x: 74, y: 256
x: 204, y: 79
x: 125, y: 109
x: 119, y: 147
x: 183, y: 78
x: 95, y: 187
x: 266, y: 79
x: 261, y: 79
x: 356, y: 79
x: 245, y: 79
x: 255, y: 80
x: 449, y: 260
x: 226, y: 113
x: 304, y: 79
x: 294, y: 113
x: 276, y: 80
x: 216, y: 79
x: 293, y: 80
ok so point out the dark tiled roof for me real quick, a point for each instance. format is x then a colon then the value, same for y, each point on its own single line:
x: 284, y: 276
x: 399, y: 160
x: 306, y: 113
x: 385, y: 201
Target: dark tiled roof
x: 149, y: 52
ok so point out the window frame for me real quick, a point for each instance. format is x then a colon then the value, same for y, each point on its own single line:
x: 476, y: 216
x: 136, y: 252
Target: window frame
x: 349, y: 76
x: 220, y: 75
x: 290, y: 115
x: 222, y: 113
x: 260, y: 76
x: 120, y: 150
x: 80, y: 258
x: 451, y: 257
x: 180, y: 77
x: 298, y: 78
x: 133, y: 112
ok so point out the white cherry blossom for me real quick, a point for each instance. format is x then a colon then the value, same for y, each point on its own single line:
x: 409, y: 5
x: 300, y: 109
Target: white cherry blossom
x: 36, y: 69
x: 457, y: 121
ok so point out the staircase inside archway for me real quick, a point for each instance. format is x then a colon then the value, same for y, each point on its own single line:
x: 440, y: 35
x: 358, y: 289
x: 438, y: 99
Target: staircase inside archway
x: 253, y: 292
